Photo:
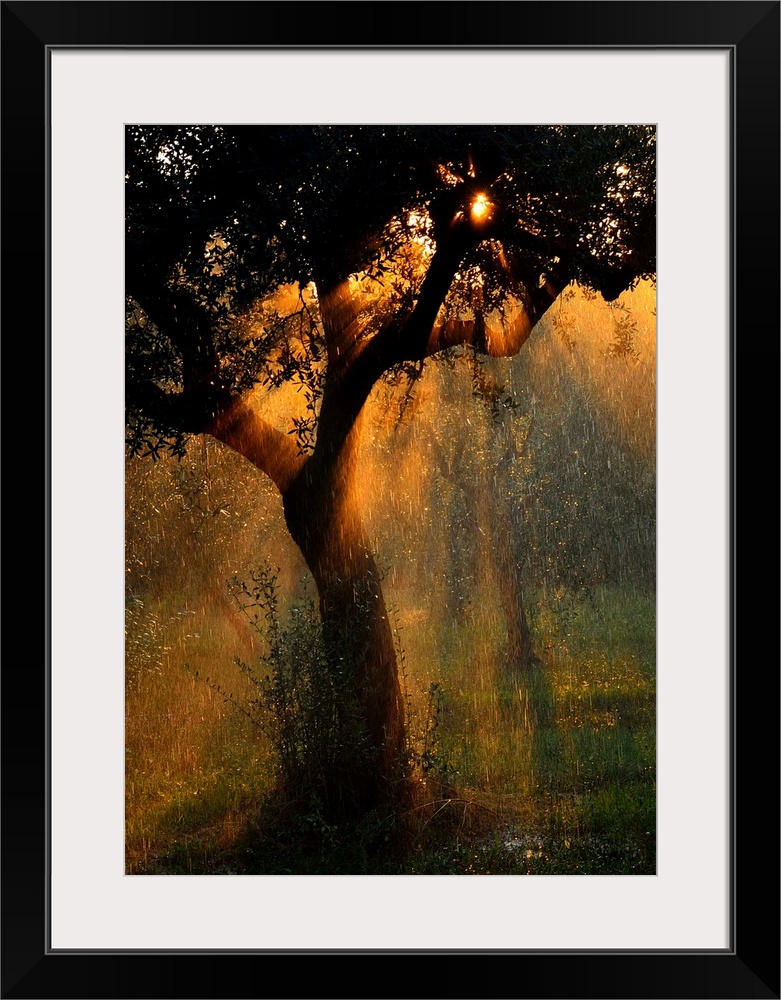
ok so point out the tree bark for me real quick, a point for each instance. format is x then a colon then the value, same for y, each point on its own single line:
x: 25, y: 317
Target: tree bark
x: 323, y: 519
x: 520, y: 651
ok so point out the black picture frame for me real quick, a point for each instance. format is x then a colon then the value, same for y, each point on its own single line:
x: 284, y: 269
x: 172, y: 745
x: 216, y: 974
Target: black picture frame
x: 750, y: 967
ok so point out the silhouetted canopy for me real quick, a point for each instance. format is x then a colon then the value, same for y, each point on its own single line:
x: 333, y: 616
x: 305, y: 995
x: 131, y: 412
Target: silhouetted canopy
x: 220, y: 218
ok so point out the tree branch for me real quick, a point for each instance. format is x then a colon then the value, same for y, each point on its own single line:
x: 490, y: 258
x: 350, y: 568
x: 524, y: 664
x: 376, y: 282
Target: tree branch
x: 341, y: 324
x: 497, y: 341
x: 274, y: 453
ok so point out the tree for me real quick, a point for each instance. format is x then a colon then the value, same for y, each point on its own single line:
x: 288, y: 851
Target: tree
x: 332, y: 258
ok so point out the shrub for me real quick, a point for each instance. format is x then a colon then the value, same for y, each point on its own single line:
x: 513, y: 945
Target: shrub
x: 304, y: 696
x: 303, y: 700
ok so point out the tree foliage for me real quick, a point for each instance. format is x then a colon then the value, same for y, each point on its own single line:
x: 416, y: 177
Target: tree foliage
x: 220, y: 218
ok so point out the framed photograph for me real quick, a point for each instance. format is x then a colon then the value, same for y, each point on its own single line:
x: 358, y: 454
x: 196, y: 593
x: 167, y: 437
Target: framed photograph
x: 585, y: 708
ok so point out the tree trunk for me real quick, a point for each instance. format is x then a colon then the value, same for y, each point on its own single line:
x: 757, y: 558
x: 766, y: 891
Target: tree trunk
x: 509, y: 558
x: 324, y: 521
x: 499, y: 562
x: 520, y: 651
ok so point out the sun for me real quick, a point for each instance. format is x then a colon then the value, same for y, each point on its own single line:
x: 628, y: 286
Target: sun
x: 481, y: 208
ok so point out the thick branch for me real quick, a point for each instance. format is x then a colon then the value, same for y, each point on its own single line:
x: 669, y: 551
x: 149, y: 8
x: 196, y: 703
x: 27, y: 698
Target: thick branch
x: 341, y: 323
x: 497, y: 341
x: 255, y: 439
x: 406, y: 336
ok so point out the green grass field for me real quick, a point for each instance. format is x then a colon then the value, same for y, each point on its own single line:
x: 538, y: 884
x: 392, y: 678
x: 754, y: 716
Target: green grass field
x: 550, y: 772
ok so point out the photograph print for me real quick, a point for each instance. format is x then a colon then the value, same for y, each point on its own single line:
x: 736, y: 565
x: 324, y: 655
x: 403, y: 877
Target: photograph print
x: 390, y: 499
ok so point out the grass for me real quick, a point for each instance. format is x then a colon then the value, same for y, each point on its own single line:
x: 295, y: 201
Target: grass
x: 193, y: 764
x: 553, y: 769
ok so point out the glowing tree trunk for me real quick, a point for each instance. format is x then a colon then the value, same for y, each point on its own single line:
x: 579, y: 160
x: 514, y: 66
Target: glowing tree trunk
x: 325, y: 522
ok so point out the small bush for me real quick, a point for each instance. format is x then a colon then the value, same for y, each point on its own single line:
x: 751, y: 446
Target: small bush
x: 305, y: 701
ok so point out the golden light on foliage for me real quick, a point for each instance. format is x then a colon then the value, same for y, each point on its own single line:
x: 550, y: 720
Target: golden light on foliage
x: 447, y: 175
x: 481, y: 208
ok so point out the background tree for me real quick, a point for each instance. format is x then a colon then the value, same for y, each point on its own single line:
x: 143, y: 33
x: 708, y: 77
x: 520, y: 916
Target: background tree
x: 328, y: 259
